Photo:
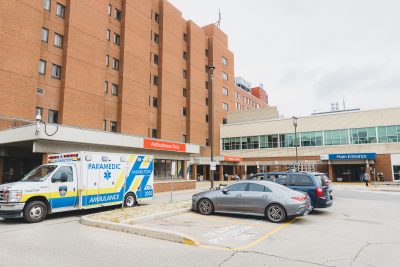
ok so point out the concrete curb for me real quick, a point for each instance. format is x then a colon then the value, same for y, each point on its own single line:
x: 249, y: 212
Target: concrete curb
x: 143, y: 230
x: 384, y: 190
x: 156, y: 216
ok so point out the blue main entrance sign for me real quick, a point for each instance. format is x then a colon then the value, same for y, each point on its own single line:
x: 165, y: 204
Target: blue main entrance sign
x: 352, y: 156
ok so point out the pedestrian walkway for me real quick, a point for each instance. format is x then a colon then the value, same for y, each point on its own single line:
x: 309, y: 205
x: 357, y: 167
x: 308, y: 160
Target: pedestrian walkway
x: 373, y: 186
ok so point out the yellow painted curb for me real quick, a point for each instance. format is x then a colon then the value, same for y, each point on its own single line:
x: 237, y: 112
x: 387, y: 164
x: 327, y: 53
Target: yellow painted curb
x: 190, y: 242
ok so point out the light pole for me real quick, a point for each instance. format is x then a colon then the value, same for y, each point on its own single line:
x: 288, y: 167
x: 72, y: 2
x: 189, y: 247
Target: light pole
x: 211, y: 71
x: 295, y: 140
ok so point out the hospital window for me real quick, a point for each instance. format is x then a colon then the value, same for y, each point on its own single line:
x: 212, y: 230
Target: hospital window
x: 363, y: 135
x: 165, y: 169
x: 389, y: 134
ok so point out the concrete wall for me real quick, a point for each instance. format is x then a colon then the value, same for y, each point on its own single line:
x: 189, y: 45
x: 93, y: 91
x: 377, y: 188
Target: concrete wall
x: 177, y: 185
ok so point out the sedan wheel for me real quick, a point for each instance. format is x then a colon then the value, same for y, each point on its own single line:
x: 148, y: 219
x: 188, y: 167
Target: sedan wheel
x: 205, y: 207
x: 276, y: 213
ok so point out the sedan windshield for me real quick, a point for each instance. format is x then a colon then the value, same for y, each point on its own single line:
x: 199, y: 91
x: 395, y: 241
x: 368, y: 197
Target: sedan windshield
x: 39, y: 174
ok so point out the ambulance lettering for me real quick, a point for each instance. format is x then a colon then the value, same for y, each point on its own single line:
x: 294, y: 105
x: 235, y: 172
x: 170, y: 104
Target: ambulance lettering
x: 99, y: 199
x: 104, y: 166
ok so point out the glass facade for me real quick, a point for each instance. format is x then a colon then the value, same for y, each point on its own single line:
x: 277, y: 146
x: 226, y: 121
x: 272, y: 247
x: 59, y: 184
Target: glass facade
x: 363, y: 135
x: 269, y: 141
x: 231, y: 143
x: 311, y: 139
x: 369, y: 135
x: 250, y: 142
x: 162, y: 169
x: 389, y: 134
x: 287, y: 140
x: 336, y: 137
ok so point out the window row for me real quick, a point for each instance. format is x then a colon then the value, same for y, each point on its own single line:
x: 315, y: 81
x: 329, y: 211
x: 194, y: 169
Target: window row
x: 116, y: 37
x: 155, y: 37
x: 60, y: 9
x: 115, y: 62
x: 368, y: 135
x: 52, y: 114
x: 114, y: 88
x: 246, y: 100
x: 58, y: 38
x: 117, y: 12
x: 55, y: 69
x: 111, y: 128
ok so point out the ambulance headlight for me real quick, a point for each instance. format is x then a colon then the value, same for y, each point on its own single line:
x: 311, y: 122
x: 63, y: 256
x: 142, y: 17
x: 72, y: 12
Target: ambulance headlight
x: 14, y: 195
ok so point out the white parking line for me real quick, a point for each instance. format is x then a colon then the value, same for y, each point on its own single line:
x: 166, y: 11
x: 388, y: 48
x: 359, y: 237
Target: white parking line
x: 240, y: 233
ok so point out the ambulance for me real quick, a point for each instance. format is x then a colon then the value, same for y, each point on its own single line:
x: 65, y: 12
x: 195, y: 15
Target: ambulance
x: 78, y: 181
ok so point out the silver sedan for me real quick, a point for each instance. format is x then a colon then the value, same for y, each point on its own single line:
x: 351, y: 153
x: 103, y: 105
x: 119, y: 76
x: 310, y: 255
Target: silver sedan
x: 261, y: 198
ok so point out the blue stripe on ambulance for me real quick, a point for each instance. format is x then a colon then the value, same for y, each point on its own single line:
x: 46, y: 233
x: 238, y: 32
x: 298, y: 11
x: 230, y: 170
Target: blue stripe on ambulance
x: 63, y: 202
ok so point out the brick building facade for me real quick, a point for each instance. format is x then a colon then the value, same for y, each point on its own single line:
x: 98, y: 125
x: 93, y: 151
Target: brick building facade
x: 133, y: 67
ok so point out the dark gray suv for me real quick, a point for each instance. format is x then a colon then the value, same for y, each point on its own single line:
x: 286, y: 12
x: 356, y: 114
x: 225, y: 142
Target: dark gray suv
x: 307, y: 182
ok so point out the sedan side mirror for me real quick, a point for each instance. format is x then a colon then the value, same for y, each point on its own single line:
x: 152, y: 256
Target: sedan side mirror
x: 225, y: 190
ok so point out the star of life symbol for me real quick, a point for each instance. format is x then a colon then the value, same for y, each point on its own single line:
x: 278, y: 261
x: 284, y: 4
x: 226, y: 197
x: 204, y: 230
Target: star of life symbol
x: 107, y: 175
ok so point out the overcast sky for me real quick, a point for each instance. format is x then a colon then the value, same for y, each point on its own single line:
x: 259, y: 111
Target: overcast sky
x: 310, y: 53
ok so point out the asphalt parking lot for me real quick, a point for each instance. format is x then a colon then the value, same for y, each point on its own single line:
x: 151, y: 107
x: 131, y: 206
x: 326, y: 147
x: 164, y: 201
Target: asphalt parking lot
x: 219, y: 231
x: 361, y: 229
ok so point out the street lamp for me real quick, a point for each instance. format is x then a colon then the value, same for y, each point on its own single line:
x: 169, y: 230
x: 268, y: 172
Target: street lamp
x: 211, y: 71
x: 295, y: 140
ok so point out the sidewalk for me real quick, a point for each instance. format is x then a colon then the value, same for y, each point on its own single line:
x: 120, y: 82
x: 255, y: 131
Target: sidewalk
x: 373, y: 186
x: 130, y: 220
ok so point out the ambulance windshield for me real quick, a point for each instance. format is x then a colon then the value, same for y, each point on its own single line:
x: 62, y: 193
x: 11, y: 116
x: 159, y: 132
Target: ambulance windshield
x: 39, y: 174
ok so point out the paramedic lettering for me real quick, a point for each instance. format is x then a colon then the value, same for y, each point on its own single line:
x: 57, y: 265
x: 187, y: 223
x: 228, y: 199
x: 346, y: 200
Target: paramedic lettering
x: 104, y: 166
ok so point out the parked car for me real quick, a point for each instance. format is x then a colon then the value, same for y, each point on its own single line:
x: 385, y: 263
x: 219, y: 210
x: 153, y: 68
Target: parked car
x: 261, y: 198
x: 325, y: 180
x: 314, y: 184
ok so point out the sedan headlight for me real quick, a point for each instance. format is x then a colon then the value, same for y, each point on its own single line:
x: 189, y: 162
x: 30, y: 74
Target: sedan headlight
x: 14, y: 195
x: 194, y: 197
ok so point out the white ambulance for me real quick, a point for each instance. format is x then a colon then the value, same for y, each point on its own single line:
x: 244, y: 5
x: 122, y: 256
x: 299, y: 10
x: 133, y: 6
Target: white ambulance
x: 80, y: 180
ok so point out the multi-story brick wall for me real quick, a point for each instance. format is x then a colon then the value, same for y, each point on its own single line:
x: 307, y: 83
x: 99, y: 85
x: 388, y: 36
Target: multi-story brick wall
x: 245, y: 100
x: 135, y: 67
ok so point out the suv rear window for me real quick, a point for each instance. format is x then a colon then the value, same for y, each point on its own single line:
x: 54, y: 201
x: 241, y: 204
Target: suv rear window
x: 281, y: 179
x: 322, y: 179
x: 301, y: 180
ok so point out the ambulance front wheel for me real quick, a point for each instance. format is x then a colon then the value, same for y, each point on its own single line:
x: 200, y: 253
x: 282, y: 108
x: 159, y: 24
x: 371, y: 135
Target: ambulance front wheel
x: 35, y: 211
x: 130, y: 200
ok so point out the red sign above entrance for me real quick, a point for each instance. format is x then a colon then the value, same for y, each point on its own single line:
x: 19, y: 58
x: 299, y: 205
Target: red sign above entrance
x: 233, y: 159
x: 162, y: 145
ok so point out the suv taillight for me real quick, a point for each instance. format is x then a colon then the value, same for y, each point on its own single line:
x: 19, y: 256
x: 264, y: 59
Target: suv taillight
x: 320, y: 192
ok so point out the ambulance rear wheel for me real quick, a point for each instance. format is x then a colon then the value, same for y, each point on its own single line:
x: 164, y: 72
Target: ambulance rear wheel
x: 35, y: 211
x: 130, y: 200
